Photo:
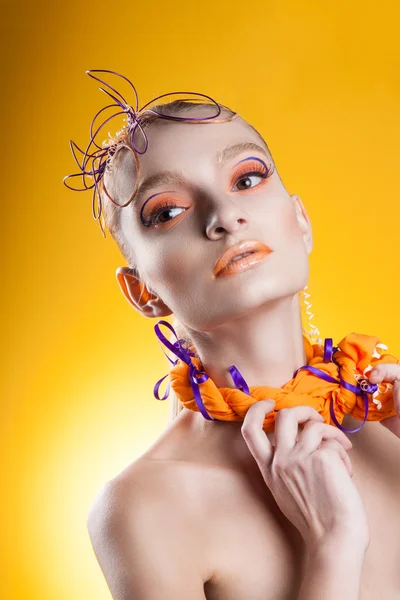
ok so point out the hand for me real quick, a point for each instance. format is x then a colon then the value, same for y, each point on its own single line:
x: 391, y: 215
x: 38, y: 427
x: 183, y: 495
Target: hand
x: 309, y: 473
x: 391, y: 373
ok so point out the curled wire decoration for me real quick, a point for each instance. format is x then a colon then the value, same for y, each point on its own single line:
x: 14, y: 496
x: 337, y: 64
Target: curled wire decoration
x: 93, y: 161
x: 313, y: 332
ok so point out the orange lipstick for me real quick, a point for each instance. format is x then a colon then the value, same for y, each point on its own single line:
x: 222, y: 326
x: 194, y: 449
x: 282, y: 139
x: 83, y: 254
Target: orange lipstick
x: 232, y: 262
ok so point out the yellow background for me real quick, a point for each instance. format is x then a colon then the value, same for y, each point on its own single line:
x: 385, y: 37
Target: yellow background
x: 320, y: 80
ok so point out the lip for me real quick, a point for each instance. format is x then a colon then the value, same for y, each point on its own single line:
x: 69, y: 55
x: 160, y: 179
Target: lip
x: 259, y: 249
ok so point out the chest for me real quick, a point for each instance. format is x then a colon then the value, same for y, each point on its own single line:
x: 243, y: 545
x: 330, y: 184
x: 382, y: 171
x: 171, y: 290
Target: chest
x: 254, y: 553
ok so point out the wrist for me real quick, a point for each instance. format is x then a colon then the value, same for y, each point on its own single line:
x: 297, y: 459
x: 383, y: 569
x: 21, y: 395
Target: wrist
x: 336, y: 547
x: 344, y: 538
x: 333, y: 570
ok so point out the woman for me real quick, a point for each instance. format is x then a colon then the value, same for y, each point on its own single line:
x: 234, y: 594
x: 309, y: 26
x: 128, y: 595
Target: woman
x: 213, y: 509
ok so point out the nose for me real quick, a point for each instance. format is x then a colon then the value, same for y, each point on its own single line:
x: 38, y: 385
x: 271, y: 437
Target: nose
x: 226, y: 217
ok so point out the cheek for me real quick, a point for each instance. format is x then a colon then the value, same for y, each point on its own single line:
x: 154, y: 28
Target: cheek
x: 293, y: 252
x: 166, y: 268
x: 289, y: 221
x: 292, y: 256
x: 283, y: 227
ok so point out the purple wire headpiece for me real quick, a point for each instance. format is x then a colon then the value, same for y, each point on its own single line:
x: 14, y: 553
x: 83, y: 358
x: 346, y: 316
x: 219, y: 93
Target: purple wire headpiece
x: 132, y: 135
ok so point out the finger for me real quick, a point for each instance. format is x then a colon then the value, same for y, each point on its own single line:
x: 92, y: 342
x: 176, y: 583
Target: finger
x: 335, y: 445
x: 390, y: 373
x: 253, y: 433
x: 313, y: 433
x: 287, y: 425
x: 385, y: 372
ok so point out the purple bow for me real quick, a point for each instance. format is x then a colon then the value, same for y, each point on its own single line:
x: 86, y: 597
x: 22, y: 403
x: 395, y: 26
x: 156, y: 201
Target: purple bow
x: 184, y: 355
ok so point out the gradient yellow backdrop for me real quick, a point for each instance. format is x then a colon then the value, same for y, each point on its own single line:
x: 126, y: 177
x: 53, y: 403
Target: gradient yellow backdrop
x: 320, y: 80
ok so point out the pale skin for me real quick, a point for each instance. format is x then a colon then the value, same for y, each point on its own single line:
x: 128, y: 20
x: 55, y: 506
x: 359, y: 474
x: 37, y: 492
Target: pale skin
x: 251, y: 319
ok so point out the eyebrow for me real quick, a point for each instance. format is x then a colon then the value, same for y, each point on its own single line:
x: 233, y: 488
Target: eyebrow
x: 176, y: 177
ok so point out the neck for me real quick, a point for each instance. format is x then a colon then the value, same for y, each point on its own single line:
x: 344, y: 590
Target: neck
x: 266, y: 346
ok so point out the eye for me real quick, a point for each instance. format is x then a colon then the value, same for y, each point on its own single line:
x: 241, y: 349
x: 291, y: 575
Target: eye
x: 246, y: 180
x: 251, y: 173
x: 160, y: 213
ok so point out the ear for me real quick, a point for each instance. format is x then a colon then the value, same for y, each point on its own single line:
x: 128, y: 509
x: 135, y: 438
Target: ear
x: 304, y: 222
x: 135, y: 291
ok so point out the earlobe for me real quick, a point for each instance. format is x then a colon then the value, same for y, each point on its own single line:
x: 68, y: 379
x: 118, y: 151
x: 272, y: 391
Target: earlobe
x: 137, y: 294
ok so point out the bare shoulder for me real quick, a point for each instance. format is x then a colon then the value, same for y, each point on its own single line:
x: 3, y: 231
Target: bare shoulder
x: 145, y: 529
x: 167, y: 486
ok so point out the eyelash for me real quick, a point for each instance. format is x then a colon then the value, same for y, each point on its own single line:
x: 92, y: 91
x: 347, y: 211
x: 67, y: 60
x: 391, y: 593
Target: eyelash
x: 167, y: 204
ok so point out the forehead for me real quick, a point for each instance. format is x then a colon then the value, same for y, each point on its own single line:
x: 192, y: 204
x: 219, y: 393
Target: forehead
x: 188, y: 146
x: 191, y: 149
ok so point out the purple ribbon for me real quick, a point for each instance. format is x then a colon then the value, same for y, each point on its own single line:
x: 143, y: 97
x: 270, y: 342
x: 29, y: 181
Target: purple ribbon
x: 362, y: 388
x: 184, y: 355
x: 196, y: 377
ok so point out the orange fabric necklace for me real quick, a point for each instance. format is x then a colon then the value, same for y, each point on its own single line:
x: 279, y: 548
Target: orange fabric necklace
x: 334, y: 382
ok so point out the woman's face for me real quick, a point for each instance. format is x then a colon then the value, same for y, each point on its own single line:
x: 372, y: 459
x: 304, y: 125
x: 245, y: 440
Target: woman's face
x: 219, y: 199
